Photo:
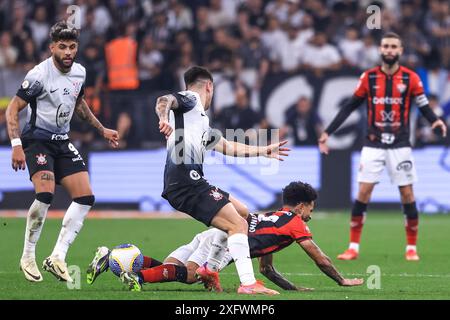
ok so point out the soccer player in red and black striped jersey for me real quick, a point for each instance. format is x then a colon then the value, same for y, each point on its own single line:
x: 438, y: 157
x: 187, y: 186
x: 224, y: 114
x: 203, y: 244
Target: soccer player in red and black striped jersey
x: 268, y: 233
x: 389, y: 91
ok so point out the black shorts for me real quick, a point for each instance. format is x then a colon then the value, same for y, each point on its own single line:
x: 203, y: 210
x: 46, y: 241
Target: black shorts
x: 201, y: 200
x: 59, y: 157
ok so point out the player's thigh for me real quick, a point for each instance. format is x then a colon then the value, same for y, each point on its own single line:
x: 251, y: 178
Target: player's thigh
x: 229, y: 220
x: 401, y: 166
x: 182, y: 253
x: 43, y: 181
x: 371, y: 164
x: 39, y: 156
x: 77, y: 184
x: 240, y: 207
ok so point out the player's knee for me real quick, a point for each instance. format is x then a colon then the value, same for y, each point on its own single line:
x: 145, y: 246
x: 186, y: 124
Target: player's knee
x: 364, y: 195
x: 85, y: 200
x: 191, y: 274
x: 44, y: 197
x: 407, y: 196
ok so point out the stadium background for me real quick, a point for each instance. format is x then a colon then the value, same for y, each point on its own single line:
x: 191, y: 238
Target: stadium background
x: 277, y: 64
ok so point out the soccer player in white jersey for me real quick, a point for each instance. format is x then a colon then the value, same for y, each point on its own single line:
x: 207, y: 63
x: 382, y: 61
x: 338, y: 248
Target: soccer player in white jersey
x: 183, y: 121
x: 53, y: 91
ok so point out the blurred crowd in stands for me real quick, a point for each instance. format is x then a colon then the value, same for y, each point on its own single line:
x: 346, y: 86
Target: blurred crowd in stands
x: 243, y: 41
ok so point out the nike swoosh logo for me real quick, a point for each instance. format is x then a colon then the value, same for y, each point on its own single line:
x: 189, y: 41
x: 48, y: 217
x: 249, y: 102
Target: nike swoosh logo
x: 61, y: 271
x: 51, y: 91
x: 32, y: 275
x: 203, y: 115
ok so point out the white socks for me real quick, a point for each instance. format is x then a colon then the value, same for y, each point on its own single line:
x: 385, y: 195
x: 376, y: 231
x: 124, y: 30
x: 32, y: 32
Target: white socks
x: 411, y: 247
x: 35, y: 221
x: 240, y: 251
x: 218, y: 250
x: 71, y: 226
x: 354, y: 246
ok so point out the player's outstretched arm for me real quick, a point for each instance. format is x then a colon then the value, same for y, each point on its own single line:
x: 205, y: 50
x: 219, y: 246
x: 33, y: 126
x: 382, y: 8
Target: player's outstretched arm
x: 163, y: 105
x: 338, y: 120
x: 84, y: 112
x: 12, y: 123
x: 267, y: 269
x: 324, y: 263
x: 236, y: 149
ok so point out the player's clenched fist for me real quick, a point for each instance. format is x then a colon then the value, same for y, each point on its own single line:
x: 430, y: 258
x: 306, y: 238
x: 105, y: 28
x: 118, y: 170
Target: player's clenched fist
x: 165, y: 128
x: 18, y: 158
x: 112, y: 136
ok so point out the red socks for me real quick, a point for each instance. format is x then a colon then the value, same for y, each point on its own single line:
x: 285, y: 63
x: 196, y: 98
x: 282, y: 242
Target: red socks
x: 164, y: 273
x: 411, y: 227
x: 356, y: 226
x: 150, y: 263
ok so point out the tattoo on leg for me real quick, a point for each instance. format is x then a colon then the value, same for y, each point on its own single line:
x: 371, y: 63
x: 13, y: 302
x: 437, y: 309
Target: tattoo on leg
x: 47, y: 177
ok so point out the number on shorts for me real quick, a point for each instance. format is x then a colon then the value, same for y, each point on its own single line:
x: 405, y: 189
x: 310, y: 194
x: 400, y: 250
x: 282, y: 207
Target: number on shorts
x: 73, y: 149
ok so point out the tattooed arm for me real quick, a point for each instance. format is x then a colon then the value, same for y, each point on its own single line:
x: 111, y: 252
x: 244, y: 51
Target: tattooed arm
x: 163, y: 105
x: 324, y: 263
x: 267, y: 269
x: 85, y: 114
x: 237, y: 149
x: 12, y: 122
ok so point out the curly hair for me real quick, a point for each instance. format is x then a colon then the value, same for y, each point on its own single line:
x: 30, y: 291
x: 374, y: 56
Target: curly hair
x: 298, y: 192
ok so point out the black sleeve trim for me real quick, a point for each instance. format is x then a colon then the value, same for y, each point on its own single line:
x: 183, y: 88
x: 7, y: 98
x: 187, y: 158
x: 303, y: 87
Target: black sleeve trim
x: 343, y: 114
x: 301, y: 239
x: 428, y: 113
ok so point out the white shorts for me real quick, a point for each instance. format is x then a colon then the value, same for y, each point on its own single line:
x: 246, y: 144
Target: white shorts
x: 197, y: 250
x: 399, y: 162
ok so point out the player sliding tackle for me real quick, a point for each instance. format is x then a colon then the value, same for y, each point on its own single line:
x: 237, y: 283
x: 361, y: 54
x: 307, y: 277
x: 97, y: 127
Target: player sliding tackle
x: 268, y: 233
x: 184, y: 123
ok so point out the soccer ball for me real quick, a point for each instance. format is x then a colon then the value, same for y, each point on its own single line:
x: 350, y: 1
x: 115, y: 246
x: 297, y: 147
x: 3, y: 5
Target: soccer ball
x: 125, y: 258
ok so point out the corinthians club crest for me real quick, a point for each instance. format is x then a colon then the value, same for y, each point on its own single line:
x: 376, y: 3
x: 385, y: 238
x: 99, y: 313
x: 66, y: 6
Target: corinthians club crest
x: 41, y: 159
x: 216, y: 195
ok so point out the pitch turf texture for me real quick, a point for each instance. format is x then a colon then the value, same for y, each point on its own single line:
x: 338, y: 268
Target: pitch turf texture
x: 383, y: 244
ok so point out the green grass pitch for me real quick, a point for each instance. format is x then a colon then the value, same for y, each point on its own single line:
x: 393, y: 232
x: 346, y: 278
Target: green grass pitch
x: 383, y: 244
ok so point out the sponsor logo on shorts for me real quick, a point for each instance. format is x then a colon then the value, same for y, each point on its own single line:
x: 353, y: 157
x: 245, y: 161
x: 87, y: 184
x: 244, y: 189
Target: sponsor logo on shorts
x: 79, y: 158
x: 59, y: 137
x: 216, y: 195
x: 405, y: 166
x: 194, y: 175
x: 41, y: 159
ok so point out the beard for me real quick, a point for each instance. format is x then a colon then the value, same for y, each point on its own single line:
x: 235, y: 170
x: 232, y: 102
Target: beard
x: 390, y: 60
x: 62, y: 64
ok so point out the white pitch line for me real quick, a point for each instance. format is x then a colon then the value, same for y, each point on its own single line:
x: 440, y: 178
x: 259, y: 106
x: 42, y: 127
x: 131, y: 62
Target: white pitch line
x: 400, y: 275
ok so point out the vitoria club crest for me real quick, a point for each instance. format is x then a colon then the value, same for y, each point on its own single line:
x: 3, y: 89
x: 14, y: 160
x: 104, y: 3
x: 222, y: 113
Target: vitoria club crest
x: 401, y: 87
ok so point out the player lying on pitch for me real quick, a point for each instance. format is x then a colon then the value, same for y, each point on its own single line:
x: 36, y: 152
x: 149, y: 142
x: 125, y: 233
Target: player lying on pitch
x: 268, y: 233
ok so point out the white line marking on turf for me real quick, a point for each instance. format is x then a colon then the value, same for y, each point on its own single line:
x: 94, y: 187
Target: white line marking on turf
x: 400, y: 275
